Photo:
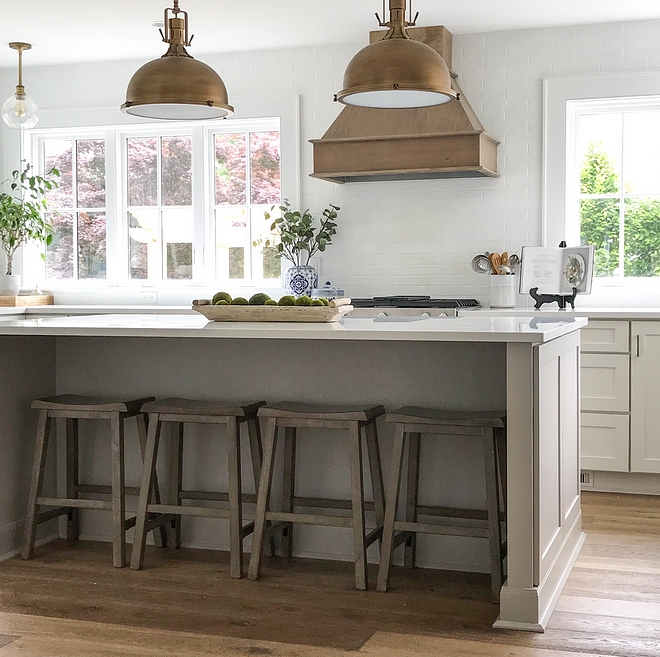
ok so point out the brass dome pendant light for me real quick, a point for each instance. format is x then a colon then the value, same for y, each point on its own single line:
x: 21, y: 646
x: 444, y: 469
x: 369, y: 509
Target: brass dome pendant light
x: 19, y: 110
x: 397, y: 72
x: 177, y: 86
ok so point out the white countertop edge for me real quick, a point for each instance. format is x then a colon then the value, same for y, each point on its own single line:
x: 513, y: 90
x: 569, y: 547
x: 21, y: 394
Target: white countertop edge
x: 592, y: 313
x: 464, y: 329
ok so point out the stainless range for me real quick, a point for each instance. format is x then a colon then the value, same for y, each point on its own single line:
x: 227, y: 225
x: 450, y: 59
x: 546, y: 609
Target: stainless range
x: 409, y: 306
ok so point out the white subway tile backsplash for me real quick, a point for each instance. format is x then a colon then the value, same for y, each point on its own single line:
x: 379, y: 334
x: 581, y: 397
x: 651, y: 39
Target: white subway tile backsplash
x: 418, y: 237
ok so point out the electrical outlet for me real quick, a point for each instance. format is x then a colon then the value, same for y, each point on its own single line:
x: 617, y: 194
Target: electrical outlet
x: 149, y: 297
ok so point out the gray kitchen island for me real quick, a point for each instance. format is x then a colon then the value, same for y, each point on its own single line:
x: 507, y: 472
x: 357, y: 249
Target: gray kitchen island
x: 528, y: 366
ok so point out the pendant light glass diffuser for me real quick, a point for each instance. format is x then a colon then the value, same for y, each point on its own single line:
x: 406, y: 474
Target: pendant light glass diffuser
x: 19, y: 110
x: 177, y: 86
x: 397, y: 72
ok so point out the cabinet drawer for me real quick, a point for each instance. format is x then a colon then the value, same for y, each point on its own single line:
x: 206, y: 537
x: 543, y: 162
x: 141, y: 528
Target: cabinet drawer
x: 605, y: 442
x: 608, y: 337
x: 605, y: 382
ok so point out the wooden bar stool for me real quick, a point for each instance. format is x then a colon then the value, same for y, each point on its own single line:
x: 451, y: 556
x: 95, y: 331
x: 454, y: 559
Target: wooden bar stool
x: 292, y: 416
x: 74, y: 408
x: 411, y: 423
x: 180, y: 411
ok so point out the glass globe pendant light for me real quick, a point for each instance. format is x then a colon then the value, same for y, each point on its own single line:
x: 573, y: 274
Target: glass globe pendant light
x: 177, y: 86
x: 397, y: 72
x: 19, y: 110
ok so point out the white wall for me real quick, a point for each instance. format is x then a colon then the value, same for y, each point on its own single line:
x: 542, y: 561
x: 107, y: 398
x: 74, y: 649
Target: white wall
x: 406, y: 237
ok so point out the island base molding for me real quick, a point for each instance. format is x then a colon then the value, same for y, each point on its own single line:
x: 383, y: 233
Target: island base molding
x: 530, y: 609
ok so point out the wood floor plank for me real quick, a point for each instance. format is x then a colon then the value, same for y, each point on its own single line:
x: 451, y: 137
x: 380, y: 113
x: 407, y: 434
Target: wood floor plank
x: 611, y: 607
x: 387, y: 644
x: 64, y: 638
x: 71, y: 601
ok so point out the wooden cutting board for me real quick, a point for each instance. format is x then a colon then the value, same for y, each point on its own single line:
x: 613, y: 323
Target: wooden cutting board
x: 27, y: 300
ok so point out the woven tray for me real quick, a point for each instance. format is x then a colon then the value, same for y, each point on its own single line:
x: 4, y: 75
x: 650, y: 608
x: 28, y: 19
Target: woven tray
x: 332, y: 313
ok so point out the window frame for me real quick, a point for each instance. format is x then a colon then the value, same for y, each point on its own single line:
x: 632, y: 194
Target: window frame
x: 115, y: 127
x: 563, y: 101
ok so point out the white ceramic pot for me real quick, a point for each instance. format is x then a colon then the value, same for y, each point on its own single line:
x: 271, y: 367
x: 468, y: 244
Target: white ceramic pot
x: 300, y: 280
x: 10, y: 285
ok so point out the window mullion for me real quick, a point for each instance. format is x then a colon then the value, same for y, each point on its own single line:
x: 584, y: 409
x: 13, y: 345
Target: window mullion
x: 201, y: 215
x: 160, y: 264
x: 248, y: 272
x: 74, y: 193
x: 115, y: 256
x: 622, y: 236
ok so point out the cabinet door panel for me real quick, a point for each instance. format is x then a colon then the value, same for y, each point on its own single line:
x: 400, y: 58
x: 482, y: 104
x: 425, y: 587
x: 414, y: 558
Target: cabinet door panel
x: 645, y: 408
x: 605, y: 382
x: 605, y: 442
x: 609, y: 337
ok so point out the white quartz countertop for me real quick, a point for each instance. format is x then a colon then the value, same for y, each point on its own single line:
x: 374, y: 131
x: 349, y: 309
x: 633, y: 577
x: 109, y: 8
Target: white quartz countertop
x: 472, y: 328
x: 95, y: 310
x: 592, y: 313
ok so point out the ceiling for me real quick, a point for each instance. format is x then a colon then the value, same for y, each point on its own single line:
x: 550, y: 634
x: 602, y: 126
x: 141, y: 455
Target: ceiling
x: 65, y: 31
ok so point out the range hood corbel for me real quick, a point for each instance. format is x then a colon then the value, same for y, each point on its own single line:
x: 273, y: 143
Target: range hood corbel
x: 444, y: 141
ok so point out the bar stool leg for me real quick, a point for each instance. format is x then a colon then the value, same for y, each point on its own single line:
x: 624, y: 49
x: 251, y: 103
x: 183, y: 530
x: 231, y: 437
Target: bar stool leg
x: 38, y: 467
x: 376, y: 471
x: 288, y: 488
x: 73, y: 517
x: 149, y: 469
x: 257, y: 454
x: 235, y: 501
x: 160, y: 536
x: 263, y: 498
x: 118, y: 493
x: 176, y: 479
x: 412, y: 496
x: 393, y: 487
x: 493, y: 501
x: 357, y: 493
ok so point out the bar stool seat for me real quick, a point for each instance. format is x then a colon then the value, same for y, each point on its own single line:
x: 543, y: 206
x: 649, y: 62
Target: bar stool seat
x: 320, y: 412
x: 74, y: 408
x: 357, y: 420
x: 411, y: 422
x: 178, y: 412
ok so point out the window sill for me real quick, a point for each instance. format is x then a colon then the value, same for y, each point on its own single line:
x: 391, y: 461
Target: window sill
x: 79, y: 293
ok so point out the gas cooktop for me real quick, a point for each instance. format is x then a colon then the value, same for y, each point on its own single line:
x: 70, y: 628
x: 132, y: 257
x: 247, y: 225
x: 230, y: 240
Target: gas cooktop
x: 412, y: 302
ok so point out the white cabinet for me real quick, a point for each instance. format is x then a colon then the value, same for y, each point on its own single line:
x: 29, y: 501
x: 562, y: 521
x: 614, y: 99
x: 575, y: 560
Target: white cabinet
x: 605, y: 382
x: 605, y: 442
x: 605, y: 396
x: 645, y: 405
x: 605, y: 337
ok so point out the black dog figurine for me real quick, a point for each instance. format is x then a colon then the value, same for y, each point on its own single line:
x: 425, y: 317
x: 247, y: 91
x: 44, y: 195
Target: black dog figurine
x: 561, y: 299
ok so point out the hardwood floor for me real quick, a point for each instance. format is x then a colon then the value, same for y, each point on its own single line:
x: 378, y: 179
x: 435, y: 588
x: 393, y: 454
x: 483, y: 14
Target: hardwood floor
x: 71, y: 602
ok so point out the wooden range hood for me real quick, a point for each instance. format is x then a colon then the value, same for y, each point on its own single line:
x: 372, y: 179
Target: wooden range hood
x: 444, y: 141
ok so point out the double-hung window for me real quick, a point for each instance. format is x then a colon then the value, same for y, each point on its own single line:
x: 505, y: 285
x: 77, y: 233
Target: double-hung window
x: 602, y: 171
x: 161, y: 203
x: 615, y: 184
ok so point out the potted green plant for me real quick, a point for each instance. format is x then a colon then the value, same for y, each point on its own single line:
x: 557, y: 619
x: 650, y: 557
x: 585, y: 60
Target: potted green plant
x: 22, y: 219
x: 296, y: 239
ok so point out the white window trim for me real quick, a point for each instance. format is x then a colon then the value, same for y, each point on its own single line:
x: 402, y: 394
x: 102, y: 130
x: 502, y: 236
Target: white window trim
x: 559, y: 114
x: 95, y: 120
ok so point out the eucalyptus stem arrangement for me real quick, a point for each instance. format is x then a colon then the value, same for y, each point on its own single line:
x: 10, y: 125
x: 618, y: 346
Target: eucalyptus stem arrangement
x: 22, y: 209
x: 296, y: 238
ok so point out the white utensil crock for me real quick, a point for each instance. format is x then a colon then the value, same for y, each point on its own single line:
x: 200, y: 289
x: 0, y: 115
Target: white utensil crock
x: 503, y: 291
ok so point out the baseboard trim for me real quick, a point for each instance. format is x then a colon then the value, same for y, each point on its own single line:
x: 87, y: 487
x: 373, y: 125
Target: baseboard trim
x: 633, y: 483
x: 11, y: 537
